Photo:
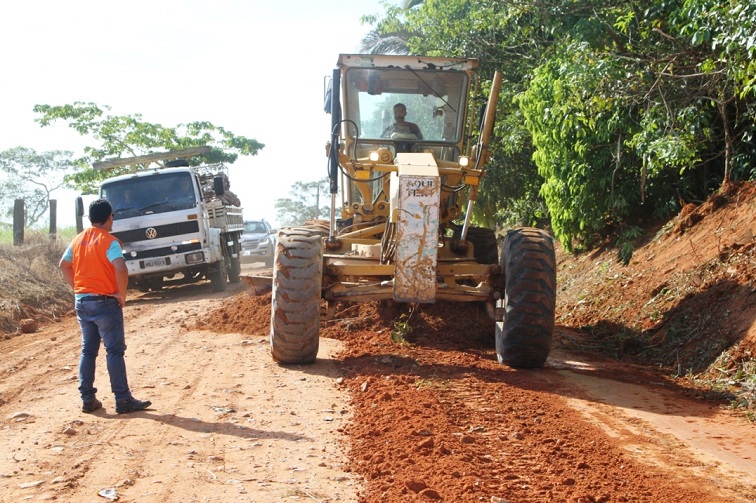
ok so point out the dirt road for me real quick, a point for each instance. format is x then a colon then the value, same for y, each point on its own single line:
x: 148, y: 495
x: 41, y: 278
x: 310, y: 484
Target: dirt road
x: 226, y: 423
x: 434, y: 418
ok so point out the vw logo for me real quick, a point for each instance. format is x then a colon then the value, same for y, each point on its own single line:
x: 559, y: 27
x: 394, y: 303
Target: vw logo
x: 151, y: 233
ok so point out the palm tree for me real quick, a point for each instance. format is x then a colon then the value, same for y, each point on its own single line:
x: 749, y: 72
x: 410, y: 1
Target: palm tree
x: 392, y: 43
x: 388, y: 43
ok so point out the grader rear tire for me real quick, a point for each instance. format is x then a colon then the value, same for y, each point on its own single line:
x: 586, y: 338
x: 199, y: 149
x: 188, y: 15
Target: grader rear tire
x: 523, y: 339
x: 484, y: 244
x: 295, y: 304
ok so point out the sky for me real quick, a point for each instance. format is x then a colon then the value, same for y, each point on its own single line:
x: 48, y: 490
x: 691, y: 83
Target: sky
x: 255, y: 68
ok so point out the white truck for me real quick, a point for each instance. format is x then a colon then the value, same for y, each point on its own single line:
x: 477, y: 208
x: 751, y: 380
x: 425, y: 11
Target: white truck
x: 177, y: 223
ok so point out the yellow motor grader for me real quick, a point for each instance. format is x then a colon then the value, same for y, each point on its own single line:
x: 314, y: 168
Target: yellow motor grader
x: 406, y: 156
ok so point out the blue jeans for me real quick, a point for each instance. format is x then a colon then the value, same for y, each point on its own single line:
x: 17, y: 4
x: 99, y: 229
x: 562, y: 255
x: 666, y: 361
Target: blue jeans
x: 102, y: 319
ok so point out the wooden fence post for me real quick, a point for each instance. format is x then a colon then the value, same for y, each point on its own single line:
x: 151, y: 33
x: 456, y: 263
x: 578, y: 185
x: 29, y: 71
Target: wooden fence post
x: 53, y: 219
x: 18, y: 222
x: 79, y: 203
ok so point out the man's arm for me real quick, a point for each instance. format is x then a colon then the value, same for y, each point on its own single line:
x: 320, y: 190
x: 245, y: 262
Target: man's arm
x: 68, y: 272
x: 122, y: 277
x: 415, y: 129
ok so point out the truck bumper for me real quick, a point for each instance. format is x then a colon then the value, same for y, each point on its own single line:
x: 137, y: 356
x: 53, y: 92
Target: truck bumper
x: 168, y: 263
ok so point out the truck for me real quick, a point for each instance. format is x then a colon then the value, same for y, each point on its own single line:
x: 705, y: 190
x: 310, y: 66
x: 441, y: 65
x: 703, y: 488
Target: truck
x: 402, y: 193
x: 177, y: 223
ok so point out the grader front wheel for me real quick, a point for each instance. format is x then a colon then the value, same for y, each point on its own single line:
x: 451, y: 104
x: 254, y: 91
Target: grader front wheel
x: 295, y: 304
x: 523, y: 339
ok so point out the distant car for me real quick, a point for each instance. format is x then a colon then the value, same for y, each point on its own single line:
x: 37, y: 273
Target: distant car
x: 258, y: 242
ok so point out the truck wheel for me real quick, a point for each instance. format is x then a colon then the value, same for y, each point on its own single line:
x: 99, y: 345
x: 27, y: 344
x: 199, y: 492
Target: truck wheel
x: 234, y: 270
x: 234, y: 263
x: 528, y: 263
x: 484, y: 244
x: 155, y: 284
x: 218, y: 277
x: 295, y: 303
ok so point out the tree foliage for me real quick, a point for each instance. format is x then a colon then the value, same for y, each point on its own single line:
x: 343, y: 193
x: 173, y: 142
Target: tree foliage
x: 610, y: 111
x: 117, y: 136
x: 31, y: 176
x: 308, y: 201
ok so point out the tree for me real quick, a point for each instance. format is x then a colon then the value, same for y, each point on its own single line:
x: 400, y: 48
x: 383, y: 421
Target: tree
x: 305, y: 203
x: 576, y: 118
x: 31, y: 176
x: 129, y: 136
x: 627, y: 109
x: 390, y: 34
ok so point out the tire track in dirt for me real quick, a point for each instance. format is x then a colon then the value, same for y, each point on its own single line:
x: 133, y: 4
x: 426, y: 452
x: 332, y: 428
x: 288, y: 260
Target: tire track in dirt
x: 657, y: 426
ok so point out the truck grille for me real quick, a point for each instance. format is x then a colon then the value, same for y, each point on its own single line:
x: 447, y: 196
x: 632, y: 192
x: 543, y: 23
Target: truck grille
x: 162, y: 252
x: 163, y: 231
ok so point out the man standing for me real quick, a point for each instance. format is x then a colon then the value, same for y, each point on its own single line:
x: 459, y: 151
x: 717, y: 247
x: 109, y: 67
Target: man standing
x: 93, y: 265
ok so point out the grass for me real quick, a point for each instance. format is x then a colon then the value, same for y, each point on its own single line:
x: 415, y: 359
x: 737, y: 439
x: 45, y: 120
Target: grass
x: 733, y: 379
x: 402, y: 328
x: 31, y: 285
x: 65, y: 234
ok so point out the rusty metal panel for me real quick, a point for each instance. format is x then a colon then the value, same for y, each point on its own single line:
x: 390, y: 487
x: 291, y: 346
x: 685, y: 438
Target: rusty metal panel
x: 417, y: 190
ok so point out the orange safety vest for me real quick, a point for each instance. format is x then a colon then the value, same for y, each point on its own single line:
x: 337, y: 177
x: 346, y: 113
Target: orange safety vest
x: 93, y: 272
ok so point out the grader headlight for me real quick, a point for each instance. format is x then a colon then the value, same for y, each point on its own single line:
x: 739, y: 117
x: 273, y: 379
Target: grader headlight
x: 382, y: 156
x: 464, y: 161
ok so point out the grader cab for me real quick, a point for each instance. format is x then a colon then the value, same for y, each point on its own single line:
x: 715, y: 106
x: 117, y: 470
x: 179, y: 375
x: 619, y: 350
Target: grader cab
x: 406, y: 155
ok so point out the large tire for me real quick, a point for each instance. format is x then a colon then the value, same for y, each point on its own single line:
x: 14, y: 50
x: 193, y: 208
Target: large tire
x: 523, y: 339
x: 234, y: 270
x: 217, y: 275
x: 295, y: 303
x: 155, y: 284
x: 485, y: 247
x: 320, y: 226
x: 234, y: 261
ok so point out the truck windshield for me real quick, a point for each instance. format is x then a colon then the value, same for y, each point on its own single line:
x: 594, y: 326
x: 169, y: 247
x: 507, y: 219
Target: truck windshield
x: 430, y: 101
x: 158, y: 193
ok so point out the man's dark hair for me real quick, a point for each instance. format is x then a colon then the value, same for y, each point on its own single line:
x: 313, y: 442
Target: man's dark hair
x: 99, y: 211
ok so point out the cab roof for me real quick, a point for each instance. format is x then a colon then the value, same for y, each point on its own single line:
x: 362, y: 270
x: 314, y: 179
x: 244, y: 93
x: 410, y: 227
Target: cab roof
x: 408, y: 62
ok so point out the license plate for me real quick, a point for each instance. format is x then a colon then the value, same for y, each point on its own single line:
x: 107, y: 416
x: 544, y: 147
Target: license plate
x: 154, y: 262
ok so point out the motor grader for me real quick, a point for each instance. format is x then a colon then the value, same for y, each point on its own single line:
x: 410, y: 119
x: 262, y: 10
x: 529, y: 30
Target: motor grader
x: 401, y: 206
